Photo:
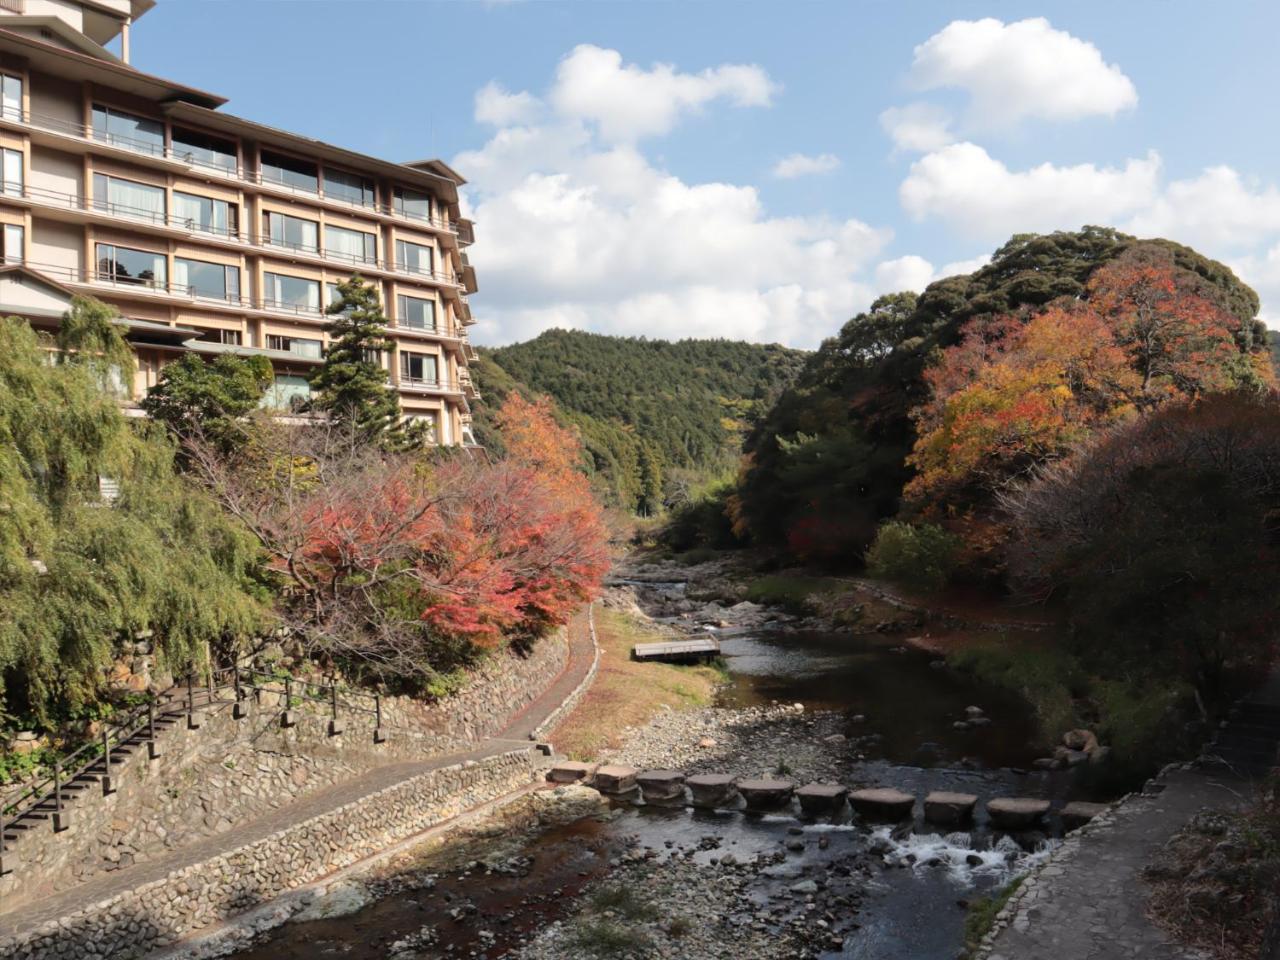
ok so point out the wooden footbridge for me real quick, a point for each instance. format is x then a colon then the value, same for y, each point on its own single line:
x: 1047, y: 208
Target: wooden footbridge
x: 697, y: 650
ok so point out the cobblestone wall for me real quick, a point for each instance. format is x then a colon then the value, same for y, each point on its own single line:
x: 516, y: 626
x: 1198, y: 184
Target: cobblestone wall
x: 231, y: 771
x: 159, y: 913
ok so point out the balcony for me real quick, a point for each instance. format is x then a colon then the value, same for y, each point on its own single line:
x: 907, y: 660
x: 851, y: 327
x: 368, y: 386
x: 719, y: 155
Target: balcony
x: 221, y: 168
x: 427, y: 385
x: 14, y: 6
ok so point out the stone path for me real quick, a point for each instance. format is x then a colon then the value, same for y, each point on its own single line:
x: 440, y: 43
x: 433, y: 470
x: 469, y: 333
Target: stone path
x: 513, y: 737
x: 1090, y: 901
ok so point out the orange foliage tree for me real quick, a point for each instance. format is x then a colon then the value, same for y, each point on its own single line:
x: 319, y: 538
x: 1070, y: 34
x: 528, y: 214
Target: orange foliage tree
x: 405, y: 566
x: 1015, y: 392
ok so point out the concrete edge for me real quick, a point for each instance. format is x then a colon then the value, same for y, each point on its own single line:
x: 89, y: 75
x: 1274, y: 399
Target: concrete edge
x: 571, y: 701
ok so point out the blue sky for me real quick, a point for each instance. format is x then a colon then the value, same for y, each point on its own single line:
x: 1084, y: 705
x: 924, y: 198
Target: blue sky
x: 625, y: 197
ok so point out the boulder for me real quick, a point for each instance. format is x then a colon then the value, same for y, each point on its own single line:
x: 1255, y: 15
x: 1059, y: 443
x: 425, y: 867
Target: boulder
x: 821, y: 797
x: 943, y: 807
x: 1069, y: 758
x: 570, y: 771
x: 1077, y: 813
x: 711, y: 790
x: 1016, y: 813
x: 972, y: 712
x: 615, y: 779
x: 883, y: 803
x: 661, y: 786
x: 1082, y: 740
x: 766, y: 794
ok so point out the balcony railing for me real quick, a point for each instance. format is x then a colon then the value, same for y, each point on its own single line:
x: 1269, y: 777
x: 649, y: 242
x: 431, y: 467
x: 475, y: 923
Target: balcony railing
x: 14, y: 6
x: 186, y: 156
x: 72, y: 201
x: 428, y: 384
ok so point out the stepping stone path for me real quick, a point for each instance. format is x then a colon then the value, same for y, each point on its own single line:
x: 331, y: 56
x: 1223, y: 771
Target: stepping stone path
x: 615, y: 780
x: 712, y: 790
x: 766, y: 794
x: 883, y: 803
x: 821, y: 797
x: 1077, y: 813
x: 947, y: 808
x: 661, y: 786
x: 1016, y: 813
x: 570, y: 771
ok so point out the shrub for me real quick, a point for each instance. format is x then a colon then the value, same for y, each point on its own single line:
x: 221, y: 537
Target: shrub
x: 921, y: 554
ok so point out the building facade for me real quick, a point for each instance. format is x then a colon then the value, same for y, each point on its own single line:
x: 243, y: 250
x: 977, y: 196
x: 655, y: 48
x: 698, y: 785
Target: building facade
x: 211, y: 233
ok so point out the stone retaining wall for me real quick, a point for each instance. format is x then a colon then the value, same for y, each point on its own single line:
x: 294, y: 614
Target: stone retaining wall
x: 162, y: 912
x: 231, y: 771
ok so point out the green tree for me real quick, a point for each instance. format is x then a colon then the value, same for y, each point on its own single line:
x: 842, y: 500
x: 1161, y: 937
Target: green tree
x: 85, y: 565
x: 351, y: 385
x: 195, y: 396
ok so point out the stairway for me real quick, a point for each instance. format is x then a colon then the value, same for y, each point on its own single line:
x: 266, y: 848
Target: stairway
x: 1248, y: 743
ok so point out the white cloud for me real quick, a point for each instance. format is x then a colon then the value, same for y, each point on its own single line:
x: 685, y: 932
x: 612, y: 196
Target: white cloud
x: 1262, y: 272
x: 803, y: 165
x: 578, y: 228
x: 957, y: 267
x: 917, y: 127
x: 983, y: 199
x: 1013, y: 71
x: 905, y: 273
x: 497, y: 106
x: 1217, y: 208
x: 628, y: 102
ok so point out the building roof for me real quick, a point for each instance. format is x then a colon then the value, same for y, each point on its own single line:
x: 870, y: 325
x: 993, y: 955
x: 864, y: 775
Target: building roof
x: 82, y: 66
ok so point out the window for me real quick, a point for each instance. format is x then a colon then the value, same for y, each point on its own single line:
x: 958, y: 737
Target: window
x: 14, y: 237
x: 293, y: 232
x: 412, y: 203
x: 126, y: 198
x: 350, y: 187
x: 428, y: 423
x: 415, y: 313
x: 288, y: 392
x: 352, y: 245
x: 11, y: 96
x: 293, y: 293
x: 290, y: 172
x: 413, y: 257
x: 298, y: 346
x: 418, y: 367
x: 126, y: 130
x: 12, y: 160
x: 201, y: 279
x: 214, y: 335
x: 126, y: 265
x: 203, y: 150
x: 206, y: 214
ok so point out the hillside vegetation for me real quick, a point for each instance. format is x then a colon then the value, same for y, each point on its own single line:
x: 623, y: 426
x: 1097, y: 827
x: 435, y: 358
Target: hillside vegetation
x: 658, y: 420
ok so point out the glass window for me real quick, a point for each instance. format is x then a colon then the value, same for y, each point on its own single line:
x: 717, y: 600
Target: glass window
x: 199, y: 278
x: 290, y: 172
x: 14, y: 243
x: 206, y: 214
x: 12, y: 160
x: 415, y: 313
x: 418, y: 367
x: 299, y: 346
x: 204, y: 150
x: 126, y: 198
x: 412, y: 203
x: 293, y: 232
x: 11, y: 96
x: 293, y: 293
x: 288, y: 392
x: 350, y: 187
x: 214, y: 335
x: 413, y: 257
x: 352, y: 245
x: 126, y: 265
x: 127, y: 130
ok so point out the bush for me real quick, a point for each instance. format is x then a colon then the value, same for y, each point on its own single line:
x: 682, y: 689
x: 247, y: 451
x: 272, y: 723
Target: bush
x: 793, y: 594
x: 701, y: 523
x: 921, y: 554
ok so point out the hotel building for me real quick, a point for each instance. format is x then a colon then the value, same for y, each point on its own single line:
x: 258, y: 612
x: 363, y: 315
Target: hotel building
x: 211, y: 233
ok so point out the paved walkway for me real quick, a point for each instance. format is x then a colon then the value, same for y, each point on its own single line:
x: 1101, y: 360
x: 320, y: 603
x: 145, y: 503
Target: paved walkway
x: 514, y: 737
x: 1090, y: 901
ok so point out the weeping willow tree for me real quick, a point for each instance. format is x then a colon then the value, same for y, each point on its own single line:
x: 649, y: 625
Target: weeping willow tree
x: 83, y: 572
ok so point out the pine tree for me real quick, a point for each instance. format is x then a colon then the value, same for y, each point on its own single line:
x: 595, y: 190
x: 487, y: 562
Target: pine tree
x: 351, y: 385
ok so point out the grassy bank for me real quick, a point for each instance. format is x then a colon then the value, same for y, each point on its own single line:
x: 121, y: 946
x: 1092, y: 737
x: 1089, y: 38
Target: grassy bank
x: 625, y: 693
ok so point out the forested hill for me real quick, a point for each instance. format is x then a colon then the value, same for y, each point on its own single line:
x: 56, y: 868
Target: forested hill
x: 658, y: 418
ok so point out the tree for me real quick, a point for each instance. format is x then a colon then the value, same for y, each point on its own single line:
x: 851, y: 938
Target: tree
x: 209, y: 397
x: 1156, y: 541
x: 85, y: 566
x: 351, y: 385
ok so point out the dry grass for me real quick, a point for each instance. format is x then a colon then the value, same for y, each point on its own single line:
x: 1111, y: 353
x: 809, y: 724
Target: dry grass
x: 625, y: 693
